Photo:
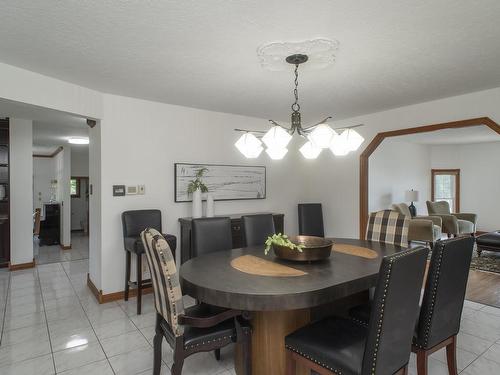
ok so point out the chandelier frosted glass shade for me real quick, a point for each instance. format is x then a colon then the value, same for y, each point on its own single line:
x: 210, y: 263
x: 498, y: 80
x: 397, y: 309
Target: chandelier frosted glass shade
x: 276, y: 153
x: 321, y: 136
x: 339, y: 145
x: 353, y: 139
x: 249, y: 145
x: 309, y: 151
x: 276, y: 138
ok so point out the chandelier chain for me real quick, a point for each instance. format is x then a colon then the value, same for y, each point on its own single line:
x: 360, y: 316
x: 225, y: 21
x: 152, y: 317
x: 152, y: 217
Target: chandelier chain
x: 296, y: 105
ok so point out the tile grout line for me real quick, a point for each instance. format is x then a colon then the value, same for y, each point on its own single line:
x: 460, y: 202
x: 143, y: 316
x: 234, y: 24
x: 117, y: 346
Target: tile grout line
x: 479, y: 356
x: 5, y: 308
x: 90, y: 322
x: 46, y: 321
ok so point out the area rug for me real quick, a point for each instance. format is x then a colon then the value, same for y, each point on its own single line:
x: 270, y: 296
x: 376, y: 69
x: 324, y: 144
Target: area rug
x: 489, y: 261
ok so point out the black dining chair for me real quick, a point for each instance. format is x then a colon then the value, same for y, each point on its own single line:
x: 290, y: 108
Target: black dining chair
x: 211, y: 234
x: 441, y: 310
x: 133, y: 223
x: 347, y: 346
x: 196, y: 329
x: 256, y: 228
x: 311, y: 219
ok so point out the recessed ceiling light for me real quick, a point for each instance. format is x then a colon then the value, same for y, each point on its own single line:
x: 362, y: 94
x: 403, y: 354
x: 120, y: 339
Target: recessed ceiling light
x: 78, y: 141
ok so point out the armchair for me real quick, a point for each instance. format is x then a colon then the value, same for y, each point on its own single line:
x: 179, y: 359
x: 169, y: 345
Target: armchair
x: 453, y: 224
x: 421, y: 228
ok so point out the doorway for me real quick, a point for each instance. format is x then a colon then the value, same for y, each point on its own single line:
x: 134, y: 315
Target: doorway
x: 445, y: 186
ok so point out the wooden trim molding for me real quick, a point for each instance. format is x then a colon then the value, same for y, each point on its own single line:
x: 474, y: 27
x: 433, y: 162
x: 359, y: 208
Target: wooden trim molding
x: 379, y: 138
x: 22, y: 266
x: 110, y: 297
x: 63, y: 247
x: 58, y: 150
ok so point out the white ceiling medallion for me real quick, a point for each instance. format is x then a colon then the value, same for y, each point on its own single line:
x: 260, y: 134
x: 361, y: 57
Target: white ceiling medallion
x: 321, y: 53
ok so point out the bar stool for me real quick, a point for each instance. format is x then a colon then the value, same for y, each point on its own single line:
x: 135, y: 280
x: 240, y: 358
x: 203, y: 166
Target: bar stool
x: 134, y: 222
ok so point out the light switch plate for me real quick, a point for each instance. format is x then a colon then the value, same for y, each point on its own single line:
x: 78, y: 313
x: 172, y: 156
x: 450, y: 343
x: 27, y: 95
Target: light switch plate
x: 131, y: 190
x: 141, y: 189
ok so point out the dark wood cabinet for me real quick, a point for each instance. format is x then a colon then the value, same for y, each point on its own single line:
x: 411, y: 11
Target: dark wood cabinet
x: 50, y: 227
x: 186, y: 250
x: 4, y: 194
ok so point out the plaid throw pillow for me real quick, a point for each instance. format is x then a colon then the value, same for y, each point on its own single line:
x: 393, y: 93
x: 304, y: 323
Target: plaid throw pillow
x: 388, y: 227
x: 165, y: 279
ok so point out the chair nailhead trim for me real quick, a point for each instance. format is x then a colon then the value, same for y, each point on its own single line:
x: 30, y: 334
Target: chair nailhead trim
x: 207, y: 342
x: 338, y: 372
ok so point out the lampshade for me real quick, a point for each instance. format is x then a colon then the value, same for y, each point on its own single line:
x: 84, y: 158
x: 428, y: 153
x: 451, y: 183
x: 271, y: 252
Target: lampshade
x: 321, y: 136
x: 309, y: 151
x: 339, y: 145
x: 277, y: 138
x: 276, y: 153
x: 249, y: 145
x: 411, y: 196
x: 353, y: 139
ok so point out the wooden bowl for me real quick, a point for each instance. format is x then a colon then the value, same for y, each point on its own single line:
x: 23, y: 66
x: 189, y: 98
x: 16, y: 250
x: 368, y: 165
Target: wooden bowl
x: 315, y: 248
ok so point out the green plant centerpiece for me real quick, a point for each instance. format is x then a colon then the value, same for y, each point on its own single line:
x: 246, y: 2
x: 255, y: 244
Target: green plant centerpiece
x: 281, y: 240
x: 197, y: 183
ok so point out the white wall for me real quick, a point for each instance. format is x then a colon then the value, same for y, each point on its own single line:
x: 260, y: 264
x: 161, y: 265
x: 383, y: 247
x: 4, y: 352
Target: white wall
x: 44, y: 171
x: 21, y: 193
x: 63, y: 175
x: 142, y: 140
x: 335, y: 181
x: 479, y: 178
x: 79, y: 168
x: 396, y: 167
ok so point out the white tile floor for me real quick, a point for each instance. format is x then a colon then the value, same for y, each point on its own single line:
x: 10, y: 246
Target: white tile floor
x: 50, y: 323
x: 53, y: 254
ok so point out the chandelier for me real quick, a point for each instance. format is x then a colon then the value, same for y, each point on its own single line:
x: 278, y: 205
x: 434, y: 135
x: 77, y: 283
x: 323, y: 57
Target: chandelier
x: 320, y: 136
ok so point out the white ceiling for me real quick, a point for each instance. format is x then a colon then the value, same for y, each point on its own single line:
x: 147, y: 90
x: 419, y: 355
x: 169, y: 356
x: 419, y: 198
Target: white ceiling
x: 51, y: 128
x: 203, y: 53
x: 476, y: 134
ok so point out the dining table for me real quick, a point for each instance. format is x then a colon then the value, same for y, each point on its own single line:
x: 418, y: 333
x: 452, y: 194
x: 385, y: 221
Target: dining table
x: 281, y: 296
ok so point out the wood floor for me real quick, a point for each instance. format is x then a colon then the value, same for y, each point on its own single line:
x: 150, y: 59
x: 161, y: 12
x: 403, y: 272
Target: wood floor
x: 484, y: 287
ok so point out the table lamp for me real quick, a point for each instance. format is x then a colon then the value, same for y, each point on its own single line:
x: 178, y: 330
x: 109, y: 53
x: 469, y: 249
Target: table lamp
x: 412, y: 196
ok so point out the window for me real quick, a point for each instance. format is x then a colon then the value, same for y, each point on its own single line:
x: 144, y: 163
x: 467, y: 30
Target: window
x: 75, y: 187
x: 446, y: 187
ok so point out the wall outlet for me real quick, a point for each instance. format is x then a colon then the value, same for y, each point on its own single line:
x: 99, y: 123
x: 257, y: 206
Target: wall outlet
x: 141, y: 189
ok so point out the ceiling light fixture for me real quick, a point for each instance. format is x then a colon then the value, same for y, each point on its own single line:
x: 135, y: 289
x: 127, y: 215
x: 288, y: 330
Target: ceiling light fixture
x: 319, y: 136
x: 78, y: 141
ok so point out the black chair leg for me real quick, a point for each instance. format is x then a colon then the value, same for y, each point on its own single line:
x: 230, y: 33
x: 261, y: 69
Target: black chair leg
x: 157, y: 352
x: 127, y: 273
x: 217, y: 354
x: 178, y: 359
x: 247, y: 354
x: 139, y: 283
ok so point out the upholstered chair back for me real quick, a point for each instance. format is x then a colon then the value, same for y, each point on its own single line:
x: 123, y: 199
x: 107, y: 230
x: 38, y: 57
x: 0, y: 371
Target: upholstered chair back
x: 402, y: 208
x: 394, y: 312
x: 211, y: 234
x: 311, y: 219
x: 256, y: 228
x: 438, y: 208
x: 165, y: 279
x: 388, y: 227
x: 444, y: 293
x: 135, y: 221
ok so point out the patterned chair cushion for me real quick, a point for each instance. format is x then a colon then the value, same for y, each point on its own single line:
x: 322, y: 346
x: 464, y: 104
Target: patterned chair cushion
x: 165, y: 279
x: 388, y: 227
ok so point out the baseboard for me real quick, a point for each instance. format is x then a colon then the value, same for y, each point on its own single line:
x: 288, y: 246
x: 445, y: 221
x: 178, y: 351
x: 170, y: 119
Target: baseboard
x: 110, y: 297
x: 65, y: 247
x: 22, y: 266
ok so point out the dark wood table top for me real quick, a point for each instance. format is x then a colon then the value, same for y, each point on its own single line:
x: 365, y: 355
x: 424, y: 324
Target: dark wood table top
x: 211, y: 279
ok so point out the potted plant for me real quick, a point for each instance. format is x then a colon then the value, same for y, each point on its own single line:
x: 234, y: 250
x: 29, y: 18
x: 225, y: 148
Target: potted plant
x: 195, y: 188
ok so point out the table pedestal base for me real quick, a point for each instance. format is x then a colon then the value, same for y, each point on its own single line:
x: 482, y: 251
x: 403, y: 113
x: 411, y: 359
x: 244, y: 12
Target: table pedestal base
x: 268, y: 341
